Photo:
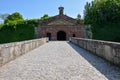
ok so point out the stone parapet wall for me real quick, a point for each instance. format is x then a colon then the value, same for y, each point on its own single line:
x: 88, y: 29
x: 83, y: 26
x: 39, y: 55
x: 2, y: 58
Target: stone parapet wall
x: 11, y: 51
x: 105, y: 49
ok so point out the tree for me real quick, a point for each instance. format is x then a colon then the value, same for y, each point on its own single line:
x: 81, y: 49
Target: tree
x: 102, y: 11
x: 45, y: 16
x: 104, y: 18
x: 14, y: 17
x: 17, y: 29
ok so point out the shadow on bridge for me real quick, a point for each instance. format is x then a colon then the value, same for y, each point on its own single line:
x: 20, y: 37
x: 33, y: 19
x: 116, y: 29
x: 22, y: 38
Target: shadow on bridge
x: 109, y: 70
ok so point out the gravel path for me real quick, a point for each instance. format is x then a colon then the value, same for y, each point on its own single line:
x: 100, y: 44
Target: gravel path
x: 59, y: 60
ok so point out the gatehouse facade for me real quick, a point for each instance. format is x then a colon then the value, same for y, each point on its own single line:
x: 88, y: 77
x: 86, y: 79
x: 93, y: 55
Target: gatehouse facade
x: 61, y: 27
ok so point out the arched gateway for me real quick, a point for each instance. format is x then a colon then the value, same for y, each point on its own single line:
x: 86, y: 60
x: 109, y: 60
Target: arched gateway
x: 61, y: 27
x: 61, y: 35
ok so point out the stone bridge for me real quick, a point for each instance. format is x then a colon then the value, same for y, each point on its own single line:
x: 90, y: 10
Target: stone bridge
x: 55, y: 60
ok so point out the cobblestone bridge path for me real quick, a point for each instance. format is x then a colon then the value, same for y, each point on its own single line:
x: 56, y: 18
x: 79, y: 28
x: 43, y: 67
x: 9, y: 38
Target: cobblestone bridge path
x: 59, y: 60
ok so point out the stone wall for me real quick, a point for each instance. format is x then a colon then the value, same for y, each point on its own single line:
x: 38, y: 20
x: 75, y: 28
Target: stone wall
x: 105, y: 49
x: 11, y: 51
x: 69, y: 30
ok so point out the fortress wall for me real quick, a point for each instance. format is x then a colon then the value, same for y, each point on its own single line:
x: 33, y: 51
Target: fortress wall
x: 13, y: 50
x: 105, y: 49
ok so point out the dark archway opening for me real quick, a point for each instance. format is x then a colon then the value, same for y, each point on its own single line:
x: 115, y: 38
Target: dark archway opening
x: 74, y: 35
x: 61, y: 35
x: 49, y: 36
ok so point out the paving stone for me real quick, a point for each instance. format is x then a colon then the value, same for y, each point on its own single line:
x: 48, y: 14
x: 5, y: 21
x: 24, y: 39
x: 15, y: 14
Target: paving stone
x: 59, y: 60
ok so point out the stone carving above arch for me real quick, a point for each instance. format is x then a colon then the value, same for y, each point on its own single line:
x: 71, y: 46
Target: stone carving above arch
x: 60, y: 22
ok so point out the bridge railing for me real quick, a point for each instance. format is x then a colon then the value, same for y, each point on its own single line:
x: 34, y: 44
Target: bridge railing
x: 105, y: 49
x: 13, y: 50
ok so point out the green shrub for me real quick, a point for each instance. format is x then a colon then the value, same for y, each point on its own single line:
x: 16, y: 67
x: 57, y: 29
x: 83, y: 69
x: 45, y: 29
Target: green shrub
x: 108, y: 32
x: 18, y: 31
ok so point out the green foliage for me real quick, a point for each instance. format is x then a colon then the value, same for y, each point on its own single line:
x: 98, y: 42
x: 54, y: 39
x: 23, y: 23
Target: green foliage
x: 1, y: 25
x: 104, y: 17
x: 45, y: 17
x: 14, y: 17
x: 109, y: 32
x: 16, y: 32
x: 33, y: 22
x: 18, y: 29
x: 102, y: 11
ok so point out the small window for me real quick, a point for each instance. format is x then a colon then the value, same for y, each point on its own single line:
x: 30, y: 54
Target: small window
x: 74, y: 35
x: 49, y: 36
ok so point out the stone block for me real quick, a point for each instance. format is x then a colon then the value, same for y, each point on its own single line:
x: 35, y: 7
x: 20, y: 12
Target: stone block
x: 0, y: 61
x: 5, y: 54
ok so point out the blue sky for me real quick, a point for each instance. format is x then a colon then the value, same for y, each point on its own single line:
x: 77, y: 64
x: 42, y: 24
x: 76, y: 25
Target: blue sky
x: 37, y: 8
